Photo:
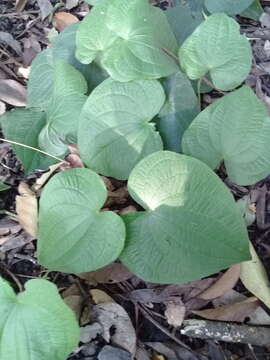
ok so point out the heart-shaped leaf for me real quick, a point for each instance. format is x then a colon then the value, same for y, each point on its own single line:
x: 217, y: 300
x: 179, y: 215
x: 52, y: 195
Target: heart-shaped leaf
x: 230, y: 7
x: 236, y: 129
x: 114, y: 131
x: 24, y: 126
x: 191, y: 227
x: 217, y: 47
x: 123, y: 35
x: 36, y: 324
x: 73, y: 235
x: 43, y: 68
x: 180, y: 108
x: 183, y: 21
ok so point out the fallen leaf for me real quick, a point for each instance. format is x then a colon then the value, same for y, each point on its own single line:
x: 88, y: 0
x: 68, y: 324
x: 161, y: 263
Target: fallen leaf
x: 258, y: 317
x: 111, y: 353
x: 45, y: 177
x: 27, y: 209
x: 110, y: 274
x: 158, y: 357
x: 175, y: 313
x: 9, y: 40
x: 70, y: 4
x: 20, y: 5
x: 127, y: 210
x: 12, y: 92
x: 46, y: 8
x: 90, y: 332
x: 75, y: 302
x: 100, y: 297
x: 31, y: 49
x: 62, y: 19
x: 234, y: 312
x: 254, y: 277
x: 226, y: 282
x: 113, y: 316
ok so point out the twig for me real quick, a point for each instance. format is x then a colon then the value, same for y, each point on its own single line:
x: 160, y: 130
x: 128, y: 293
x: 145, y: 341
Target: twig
x: 35, y: 149
x: 228, y: 332
x: 20, y: 14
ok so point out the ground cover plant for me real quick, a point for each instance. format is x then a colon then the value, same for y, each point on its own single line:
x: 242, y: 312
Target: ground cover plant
x: 129, y: 97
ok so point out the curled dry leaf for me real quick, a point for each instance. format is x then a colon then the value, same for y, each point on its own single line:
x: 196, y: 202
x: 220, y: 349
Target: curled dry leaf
x: 100, y: 297
x: 113, y: 316
x: 45, y: 177
x: 112, y: 273
x: 254, y: 277
x: 27, y: 209
x: 175, y: 313
x: 234, y: 312
x: 226, y: 282
x: 62, y: 19
x: 12, y: 92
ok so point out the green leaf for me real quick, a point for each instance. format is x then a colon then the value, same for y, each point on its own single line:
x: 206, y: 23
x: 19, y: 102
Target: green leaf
x: 191, y: 227
x: 254, y: 12
x: 4, y: 187
x: 64, y: 49
x: 230, y: 7
x: 24, y: 126
x: 217, y: 47
x: 235, y: 129
x: 180, y: 108
x: 74, y: 236
x: 115, y: 130
x: 122, y: 35
x: 36, y: 324
x: 40, y: 81
x: 183, y: 21
x: 254, y: 277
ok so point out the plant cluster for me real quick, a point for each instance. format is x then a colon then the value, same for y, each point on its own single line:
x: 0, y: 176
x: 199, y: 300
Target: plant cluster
x: 124, y: 84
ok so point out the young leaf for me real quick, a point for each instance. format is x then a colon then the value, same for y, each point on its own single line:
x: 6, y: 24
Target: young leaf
x: 217, y: 47
x: 236, y: 129
x: 191, y: 227
x: 36, y: 324
x: 74, y: 236
x: 123, y: 36
x: 230, y: 7
x: 24, y: 126
x: 180, y: 108
x: 114, y: 130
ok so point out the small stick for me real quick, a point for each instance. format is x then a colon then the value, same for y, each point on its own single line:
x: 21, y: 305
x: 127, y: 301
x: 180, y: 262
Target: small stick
x: 228, y: 332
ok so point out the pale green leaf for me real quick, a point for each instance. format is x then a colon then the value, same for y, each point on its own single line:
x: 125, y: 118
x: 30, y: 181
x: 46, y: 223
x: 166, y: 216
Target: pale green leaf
x: 36, y: 324
x: 191, y: 227
x: 180, y: 108
x: 254, y: 277
x: 24, y: 126
x: 74, y: 236
x: 217, y: 47
x: 230, y: 7
x: 234, y: 129
x: 122, y: 35
x: 115, y: 130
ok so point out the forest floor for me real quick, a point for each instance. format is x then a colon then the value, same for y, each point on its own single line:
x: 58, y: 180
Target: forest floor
x: 160, y: 314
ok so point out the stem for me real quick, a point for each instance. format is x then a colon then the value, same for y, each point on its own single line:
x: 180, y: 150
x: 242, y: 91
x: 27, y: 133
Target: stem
x: 199, y: 92
x: 35, y: 149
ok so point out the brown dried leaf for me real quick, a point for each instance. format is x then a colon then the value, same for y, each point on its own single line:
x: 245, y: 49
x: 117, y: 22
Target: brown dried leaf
x: 233, y: 312
x: 112, y: 273
x: 27, y: 209
x: 175, y: 313
x: 226, y: 282
x: 45, y: 177
x: 127, y: 210
x: 75, y: 302
x: 20, y: 5
x: 100, y: 297
x: 113, y: 316
x: 12, y: 92
x: 62, y: 19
